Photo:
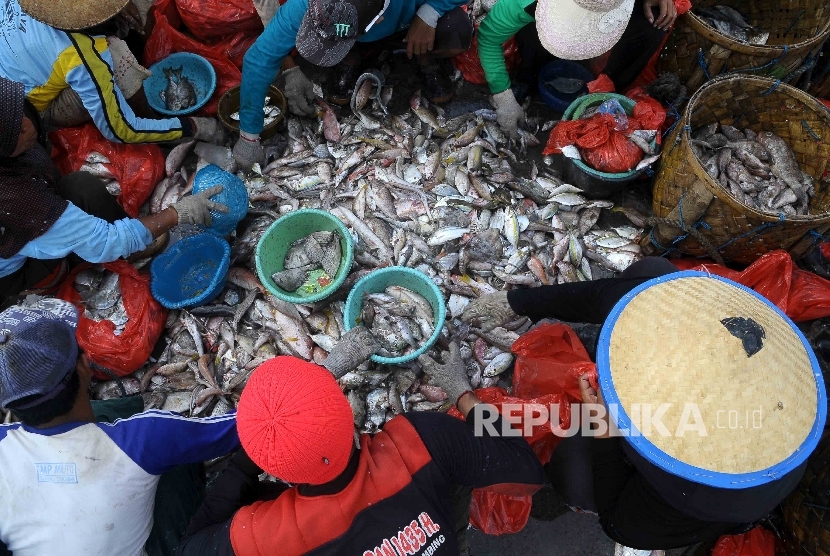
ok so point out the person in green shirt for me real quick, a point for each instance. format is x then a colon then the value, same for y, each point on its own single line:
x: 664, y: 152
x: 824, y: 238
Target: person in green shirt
x: 568, y: 29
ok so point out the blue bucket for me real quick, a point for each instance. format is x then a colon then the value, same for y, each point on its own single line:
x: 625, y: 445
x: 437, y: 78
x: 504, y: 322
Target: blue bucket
x: 234, y: 196
x: 192, y: 272
x: 557, y: 100
x: 195, y: 68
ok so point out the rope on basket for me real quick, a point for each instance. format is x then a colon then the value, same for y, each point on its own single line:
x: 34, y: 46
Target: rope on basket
x: 701, y: 61
x: 704, y: 242
x: 772, y: 88
x: 810, y: 131
x: 768, y: 64
x: 757, y: 231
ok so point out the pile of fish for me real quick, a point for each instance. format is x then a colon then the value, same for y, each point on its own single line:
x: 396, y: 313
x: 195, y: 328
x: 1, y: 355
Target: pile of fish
x: 100, y: 293
x: 759, y: 169
x: 305, y: 259
x: 730, y: 22
x: 400, y: 319
x: 453, y: 198
x: 272, y: 112
x: 95, y: 164
x: 179, y: 93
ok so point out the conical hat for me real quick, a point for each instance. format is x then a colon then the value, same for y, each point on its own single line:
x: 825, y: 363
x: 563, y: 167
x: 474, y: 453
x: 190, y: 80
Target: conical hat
x: 744, y: 396
x: 581, y: 29
x: 72, y: 15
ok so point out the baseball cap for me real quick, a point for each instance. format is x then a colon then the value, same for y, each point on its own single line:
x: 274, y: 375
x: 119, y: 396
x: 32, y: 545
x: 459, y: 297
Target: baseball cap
x: 331, y: 27
x: 581, y: 29
x: 38, y: 350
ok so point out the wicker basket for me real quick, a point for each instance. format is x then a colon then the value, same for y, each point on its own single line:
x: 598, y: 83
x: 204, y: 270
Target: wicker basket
x: 684, y: 191
x: 697, y: 52
x: 807, y: 510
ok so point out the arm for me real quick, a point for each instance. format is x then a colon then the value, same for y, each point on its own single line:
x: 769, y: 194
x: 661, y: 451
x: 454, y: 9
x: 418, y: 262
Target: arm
x: 431, y: 10
x: 90, y: 75
x: 503, y: 21
x: 263, y: 60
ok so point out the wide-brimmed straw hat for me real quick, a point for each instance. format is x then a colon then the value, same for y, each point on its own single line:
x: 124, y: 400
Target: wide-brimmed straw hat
x: 72, y: 15
x: 745, y: 398
x: 581, y: 29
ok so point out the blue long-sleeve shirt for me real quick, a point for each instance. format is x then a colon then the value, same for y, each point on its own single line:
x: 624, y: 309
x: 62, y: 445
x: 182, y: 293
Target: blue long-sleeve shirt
x: 263, y: 60
x: 91, y: 238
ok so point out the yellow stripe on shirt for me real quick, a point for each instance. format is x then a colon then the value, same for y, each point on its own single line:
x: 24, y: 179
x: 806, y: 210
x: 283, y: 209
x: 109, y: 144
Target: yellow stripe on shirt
x: 41, y: 97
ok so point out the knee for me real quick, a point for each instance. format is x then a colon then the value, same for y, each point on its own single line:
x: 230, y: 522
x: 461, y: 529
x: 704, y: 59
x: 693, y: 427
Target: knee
x: 78, y: 186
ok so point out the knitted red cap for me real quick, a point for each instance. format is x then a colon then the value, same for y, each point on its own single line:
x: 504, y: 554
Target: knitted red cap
x: 294, y: 422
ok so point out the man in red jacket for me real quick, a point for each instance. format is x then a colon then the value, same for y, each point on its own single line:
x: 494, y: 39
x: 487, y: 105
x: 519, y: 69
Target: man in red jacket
x: 389, y: 496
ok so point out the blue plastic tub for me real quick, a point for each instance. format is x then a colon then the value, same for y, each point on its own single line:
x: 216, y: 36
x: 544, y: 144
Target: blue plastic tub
x: 557, y: 100
x: 195, y: 68
x: 234, y: 196
x: 192, y: 272
x: 377, y: 282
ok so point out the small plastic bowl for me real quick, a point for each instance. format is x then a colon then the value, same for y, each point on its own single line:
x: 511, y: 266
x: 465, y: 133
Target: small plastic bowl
x: 195, y: 68
x: 229, y: 103
x: 234, y: 196
x: 275, y: 242
x: 557, y: 100
x: 192, y: 272
x: 404, y: 277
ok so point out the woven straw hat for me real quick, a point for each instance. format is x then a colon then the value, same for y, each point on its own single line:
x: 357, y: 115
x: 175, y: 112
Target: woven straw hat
x: 581, y: 29
x: 722, y: 358
x: 72, y: 15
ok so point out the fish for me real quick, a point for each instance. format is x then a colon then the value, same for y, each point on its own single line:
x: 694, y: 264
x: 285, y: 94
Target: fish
x: 179, y: 93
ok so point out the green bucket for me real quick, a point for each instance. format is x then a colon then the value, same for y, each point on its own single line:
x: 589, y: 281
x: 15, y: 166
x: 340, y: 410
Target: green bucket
x: 377, y: 282
x: 277, y: 239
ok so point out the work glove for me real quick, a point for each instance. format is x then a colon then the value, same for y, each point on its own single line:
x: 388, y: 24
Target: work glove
x: 489, y: 311
x: 354, y: 348
x: 195, y: 209
x: 208, y: 130
x: 509, y: 112
x: 299, y: 92
x: 248, y: 151
x: 129, y: 75
x: 451, y: 376
x: 266, y: 10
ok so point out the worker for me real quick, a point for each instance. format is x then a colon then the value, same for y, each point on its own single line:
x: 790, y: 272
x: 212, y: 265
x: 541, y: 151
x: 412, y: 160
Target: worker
x: 78, y: 487
x: 324, y: 33
x: 391, y: 492
x: 632, y: 30
x: 73, y: 74
x: 44, y: 218
x: 687, y: 339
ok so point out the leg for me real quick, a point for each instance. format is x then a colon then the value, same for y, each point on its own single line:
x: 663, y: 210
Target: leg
x: 461, y: 497
x: 453, y: 34
x: 571, y: 472
x: 90, y: 195
x: 178, y: 496
x: 634, y: 49
x: 36, y: 274
x: 650, y: 267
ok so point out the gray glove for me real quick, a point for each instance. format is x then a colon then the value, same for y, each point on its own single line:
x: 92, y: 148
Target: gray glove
x: 299, y: 92
x: 266, y: 9
x: 248, y: 151
x: 195, y: 209
x: 509, y: 112
x: 208, y: 129
x: 489, y: 311
x: 451, y: 376
x: 354, y: 348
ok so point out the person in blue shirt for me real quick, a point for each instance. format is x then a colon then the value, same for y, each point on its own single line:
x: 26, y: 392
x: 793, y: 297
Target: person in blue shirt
x: 44, y: 218
x: 325, y: 33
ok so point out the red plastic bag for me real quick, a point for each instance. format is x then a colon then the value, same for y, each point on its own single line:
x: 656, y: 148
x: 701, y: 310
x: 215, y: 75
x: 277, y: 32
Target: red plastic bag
x: 757, y: 542
x: 648, y: 112
x: 549, y: 360
x: 469, y: 64
x: 802, y: 295
x: 138, y: 168
x: 126, y: 353
x: 235, y: 46
x: 602, y: 147
x: 601, y: 84
x: 166, y: 38
x: 616, y: 156
x: 210, y: 19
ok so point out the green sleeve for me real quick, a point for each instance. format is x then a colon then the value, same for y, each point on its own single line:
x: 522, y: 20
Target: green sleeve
x: 503, y: 21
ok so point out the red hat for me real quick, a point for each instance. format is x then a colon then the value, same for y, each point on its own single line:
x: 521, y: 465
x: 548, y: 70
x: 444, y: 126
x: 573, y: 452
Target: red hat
x: 294, y: 422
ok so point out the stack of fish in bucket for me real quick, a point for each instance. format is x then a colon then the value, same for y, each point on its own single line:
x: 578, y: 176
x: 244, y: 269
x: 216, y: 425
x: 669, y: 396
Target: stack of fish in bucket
x: 451, y: 198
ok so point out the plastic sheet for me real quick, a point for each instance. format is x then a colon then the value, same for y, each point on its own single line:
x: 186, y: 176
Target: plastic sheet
x: 757, y: 542
x: 138, y: 168
x: 213, y: 19
x: 126, y: 353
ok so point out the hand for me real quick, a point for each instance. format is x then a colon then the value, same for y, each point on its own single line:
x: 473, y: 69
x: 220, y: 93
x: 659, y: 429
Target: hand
x: 131, y: 17
x: 668, y: 13
x: 489, y: 311
x: 27, y: 138
x: 248, y: 151
x: 266, y: 9
x: 354, y: 348
x: 592, y: 396
x: 420, y: 37
x: 195, y: 209
x: 299, y: 92
x: 509, y: 112
x: 451, y: 376
x: 208, y: 130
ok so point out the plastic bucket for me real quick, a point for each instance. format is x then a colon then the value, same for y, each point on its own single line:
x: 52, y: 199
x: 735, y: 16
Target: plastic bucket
x: 377, y: 282
x: 229, y: 103
x: 234, y: 195
x: 192, y: 272
x: 557, y: 100
x: 277, y: 239
x: 195, y: 68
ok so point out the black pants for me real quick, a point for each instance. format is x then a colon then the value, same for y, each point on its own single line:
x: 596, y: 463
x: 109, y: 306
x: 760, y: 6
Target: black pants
x: 89, y: 194
x: 628, y: 57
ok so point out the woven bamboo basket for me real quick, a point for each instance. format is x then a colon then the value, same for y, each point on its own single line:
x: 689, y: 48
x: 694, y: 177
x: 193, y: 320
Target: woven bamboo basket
x: 687, y: 198
x: 696, y: 52
x: 807, y: 510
